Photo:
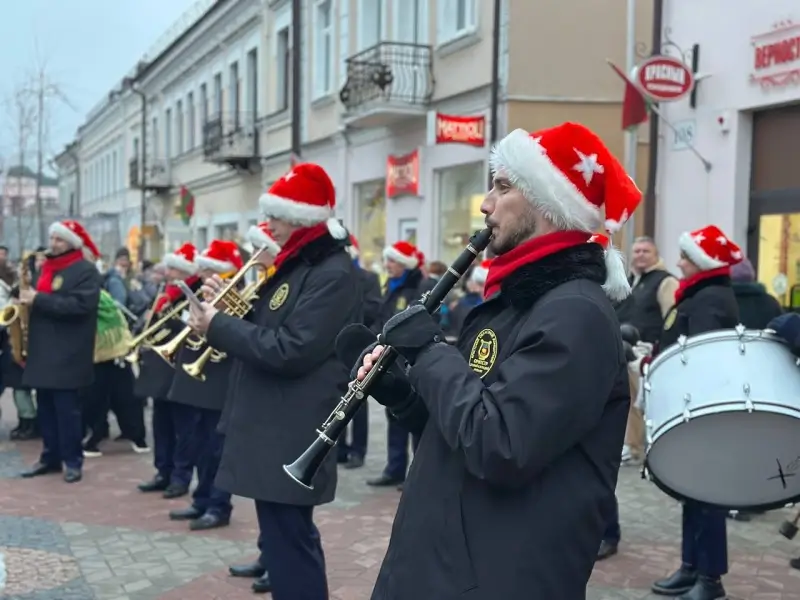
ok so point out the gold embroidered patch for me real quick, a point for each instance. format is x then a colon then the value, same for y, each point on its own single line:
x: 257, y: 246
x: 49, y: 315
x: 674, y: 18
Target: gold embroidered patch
x: 483, y: 353
x: 669, y: 320
x: 401, y: 304
x: 58, y: 281
x: 279, y: 297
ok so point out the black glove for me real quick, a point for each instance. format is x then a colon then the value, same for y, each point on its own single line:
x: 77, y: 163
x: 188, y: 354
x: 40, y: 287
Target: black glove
x: 411, y: 332
x: 788, y: 327
x: 629, y: 333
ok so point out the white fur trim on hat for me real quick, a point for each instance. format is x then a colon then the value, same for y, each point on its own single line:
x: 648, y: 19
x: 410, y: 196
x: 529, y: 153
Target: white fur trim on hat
x: 213, y: 264
x: 409, y: 262
x: 696, y: 254
x: 616, y: 286
x: 529, y: 169
x: 259, y: 239
x: 297, y: 213
x: 176, y: 261
x: 63, y: 232
x: 479, y: 275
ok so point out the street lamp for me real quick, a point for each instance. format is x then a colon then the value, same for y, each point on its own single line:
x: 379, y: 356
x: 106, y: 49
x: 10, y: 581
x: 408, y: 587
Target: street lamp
x: 131, y: 85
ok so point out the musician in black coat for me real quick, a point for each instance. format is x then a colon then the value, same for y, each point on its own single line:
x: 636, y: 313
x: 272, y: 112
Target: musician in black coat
x: 174, y: 461
x: 286, y: 379
x: 704, y: 302
x: 61, y: 336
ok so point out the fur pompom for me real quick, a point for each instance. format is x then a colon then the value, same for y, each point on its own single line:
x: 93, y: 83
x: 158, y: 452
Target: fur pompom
x: 336, y: 229
x: 616, y: 286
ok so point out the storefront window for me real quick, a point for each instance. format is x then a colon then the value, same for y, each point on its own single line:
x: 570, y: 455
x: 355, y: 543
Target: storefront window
x: 779, y: 257
x: 461, y: 191
x: 371, y: 223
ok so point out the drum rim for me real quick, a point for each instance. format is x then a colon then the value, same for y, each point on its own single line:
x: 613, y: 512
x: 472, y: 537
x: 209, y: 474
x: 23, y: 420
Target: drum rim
x: 673, y: 349
x: 650, y: 476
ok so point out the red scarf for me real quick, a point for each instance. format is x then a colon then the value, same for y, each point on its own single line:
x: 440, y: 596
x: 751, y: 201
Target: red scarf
x: 54, y: 264
x: 299, y: 240
x: 687, y: 283
x: 172, y: 293
x: 529, y: 252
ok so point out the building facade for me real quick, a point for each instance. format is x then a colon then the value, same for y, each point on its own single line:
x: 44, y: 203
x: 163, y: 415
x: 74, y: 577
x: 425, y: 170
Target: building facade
x: 21, y: 228
x: 745, y: 125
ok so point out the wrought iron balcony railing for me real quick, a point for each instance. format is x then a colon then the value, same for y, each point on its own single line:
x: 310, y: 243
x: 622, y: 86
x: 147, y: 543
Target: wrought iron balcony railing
x: 232, y: 135
x: 390, y: 73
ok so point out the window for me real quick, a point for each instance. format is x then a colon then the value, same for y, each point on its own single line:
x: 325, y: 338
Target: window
x: 168, y: 133
x: 179, y: 128
x: 154, y: 137
x: 233, y: 92
x: 410, y: 21
x: 114, y: 172
x: 460, y: 192
x: 251, y: 105
x: 218, y: 94
x: 371, y: 19
x: 323, y: 47
x: 203, y: 104
x: 455, y: 18
x: 136, y: 148
x: 371, y: 198
x: 191, y: 126
x: 283, y: 84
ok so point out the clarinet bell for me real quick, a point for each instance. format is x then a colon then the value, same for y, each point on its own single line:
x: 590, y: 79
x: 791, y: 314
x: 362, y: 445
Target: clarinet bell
x: 788, y: 530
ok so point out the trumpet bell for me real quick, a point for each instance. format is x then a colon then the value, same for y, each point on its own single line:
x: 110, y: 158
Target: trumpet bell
x: 194, y: 371
x: 8, y: 315
x: 194, y: 342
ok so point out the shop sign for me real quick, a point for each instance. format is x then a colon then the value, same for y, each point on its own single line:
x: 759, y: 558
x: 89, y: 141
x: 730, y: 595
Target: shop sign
x: 776, y: 56
x: 402, y: 175
x: 664, y: 78
x: 452, y: 129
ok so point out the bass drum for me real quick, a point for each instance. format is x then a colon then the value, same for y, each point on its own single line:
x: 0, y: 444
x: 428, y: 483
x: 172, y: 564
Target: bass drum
x: 722, y: 418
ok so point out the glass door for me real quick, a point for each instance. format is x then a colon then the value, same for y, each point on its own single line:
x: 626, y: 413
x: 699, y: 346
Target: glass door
x: 779, y: 256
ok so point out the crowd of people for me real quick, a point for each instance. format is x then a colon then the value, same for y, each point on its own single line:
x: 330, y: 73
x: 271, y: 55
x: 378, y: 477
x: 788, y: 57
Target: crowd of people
x: 519, y: 398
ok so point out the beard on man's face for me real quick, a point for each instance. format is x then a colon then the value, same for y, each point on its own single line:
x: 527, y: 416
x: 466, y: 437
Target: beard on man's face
x: 519, y: 231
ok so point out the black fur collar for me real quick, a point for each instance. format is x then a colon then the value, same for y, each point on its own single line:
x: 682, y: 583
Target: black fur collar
x: 315, y: 251
x: 523, y: 288
x: 719, y: 280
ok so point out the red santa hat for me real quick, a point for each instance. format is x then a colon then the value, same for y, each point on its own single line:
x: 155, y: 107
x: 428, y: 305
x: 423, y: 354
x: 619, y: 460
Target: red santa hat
x: 304, y: 196
x: 261, y: 237
x: 480, y: 272
x: 183, y: 259
x: 569, y: 173
x: 709, y: 248
x: 74, y: 234
x: 353, y: 248
x: 404, y: 253
x: 221, y: 256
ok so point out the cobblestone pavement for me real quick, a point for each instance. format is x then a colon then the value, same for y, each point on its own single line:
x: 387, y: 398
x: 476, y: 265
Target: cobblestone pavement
x: 103, y: 540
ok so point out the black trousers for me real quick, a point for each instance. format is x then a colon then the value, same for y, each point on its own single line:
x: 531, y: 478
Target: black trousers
x: 291, y: 551
x: 113, y: 390
x: 359, y: 434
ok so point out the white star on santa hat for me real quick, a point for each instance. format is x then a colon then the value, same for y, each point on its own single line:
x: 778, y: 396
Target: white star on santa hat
x: 722, y: 240
x: 698, y: 239
x: 289, y: 175
x: 587, y: 166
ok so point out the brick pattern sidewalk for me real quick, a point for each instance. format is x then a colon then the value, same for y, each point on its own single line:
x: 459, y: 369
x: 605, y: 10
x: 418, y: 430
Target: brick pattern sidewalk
x: 101, y: 539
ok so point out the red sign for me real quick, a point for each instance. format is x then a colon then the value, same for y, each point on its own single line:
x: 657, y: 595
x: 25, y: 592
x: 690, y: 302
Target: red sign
x: 664, y: 78
x: 776, y: 56
x: 402, y: 175
x: 452, y: 129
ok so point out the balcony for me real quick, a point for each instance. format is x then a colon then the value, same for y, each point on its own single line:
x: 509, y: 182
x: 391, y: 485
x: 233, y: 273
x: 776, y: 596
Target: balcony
x: 232, y: 140
x: 156, y: 178
x: 387, y: 83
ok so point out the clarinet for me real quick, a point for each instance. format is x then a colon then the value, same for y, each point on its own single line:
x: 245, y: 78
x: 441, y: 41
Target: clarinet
x: 303, y: 470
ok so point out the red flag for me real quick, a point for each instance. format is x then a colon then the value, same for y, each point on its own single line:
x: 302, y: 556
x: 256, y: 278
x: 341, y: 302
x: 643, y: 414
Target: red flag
x: 634, y: 104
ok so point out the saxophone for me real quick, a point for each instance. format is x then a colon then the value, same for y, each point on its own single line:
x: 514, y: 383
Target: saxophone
x: 14, y: 318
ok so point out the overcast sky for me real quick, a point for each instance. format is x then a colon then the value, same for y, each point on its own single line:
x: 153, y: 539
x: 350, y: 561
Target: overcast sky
x: 86, y: 46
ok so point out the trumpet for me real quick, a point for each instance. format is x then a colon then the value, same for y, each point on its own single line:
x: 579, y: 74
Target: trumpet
x: 303, y: 470
x: 154, y: 333
x: 231, y: 302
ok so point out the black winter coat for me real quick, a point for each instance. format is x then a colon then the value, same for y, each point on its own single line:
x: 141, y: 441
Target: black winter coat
x: 62, y: 329
x: 371, y: 297
x: 756, y: 306
x: 523, y: 424
x: 398, y: 299
x: 286, y: 380
x: 209, y: 394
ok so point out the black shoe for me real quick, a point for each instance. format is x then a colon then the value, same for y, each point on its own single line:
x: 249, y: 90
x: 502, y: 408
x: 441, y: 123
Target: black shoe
x: 680, y: 582
x: 253, y: 570
x: 262, y: 585
x: 209, y: 521
x: 156, y: 484
x: 26, y: 430
x: 175, y: 491
x: 607, y: 550
x: 185, y: 514
x: 340, y: 458
x: 91, y: 451
x: 706, y: 588
x: 385, y: 481
x: 354, y: 462
x: 140, y: 447
x: 40, y: 469
x: 73, y: 475
x: 795, y: 563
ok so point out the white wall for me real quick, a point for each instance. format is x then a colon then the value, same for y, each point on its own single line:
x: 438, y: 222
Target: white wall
x: 689, y: 196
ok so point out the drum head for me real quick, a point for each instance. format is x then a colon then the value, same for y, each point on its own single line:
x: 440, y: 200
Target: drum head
x: 735, y: 460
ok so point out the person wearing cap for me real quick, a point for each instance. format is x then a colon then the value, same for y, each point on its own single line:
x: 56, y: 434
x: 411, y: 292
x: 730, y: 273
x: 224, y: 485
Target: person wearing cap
x: 405, y: 284
x: 174, y: 460
x: 197, y: 407
x: 286, y: 379
x: 523, y: 419
x: 61, y: 338
x: 757, y: 307
x: 351, y: 455
x: 704, y: 302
